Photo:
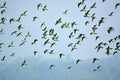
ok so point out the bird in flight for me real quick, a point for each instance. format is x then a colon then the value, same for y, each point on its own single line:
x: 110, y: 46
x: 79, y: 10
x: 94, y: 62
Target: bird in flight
x: 77, y: 61
x: 24, y: 13
x: 51, y: 66
x: 12, y: 20
x: 58, y: 21
x: 45, y: 8
x: 13, y: 54
x: 34, y: 42
x: 34, y: 18
x: 60, y: 55
x: 95, y: 59
x: 4, y: 5
x: 97, y: 68
x: 3, y: 58
x: 1, y: 31
x: 39, y: 5
x: 65, y: 12
x: 23, y: 63
x: 116, y: 5
x: 11, y: 44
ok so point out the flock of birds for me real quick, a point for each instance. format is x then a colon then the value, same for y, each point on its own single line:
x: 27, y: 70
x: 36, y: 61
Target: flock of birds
x: 51, y: 38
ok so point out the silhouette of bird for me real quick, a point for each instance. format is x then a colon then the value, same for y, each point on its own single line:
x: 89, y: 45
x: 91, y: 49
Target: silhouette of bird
x: 115, y: 52
x: 11, y: 44
x: 34, y: 18
x: 3, y: 11
x: 70, y: 45
x: 51, y: 66
x: 45, y: 51
x: 108, y: 50
x: 110, y: 29
x: 23, y: 63
x: 87, y: 13
x: 87, y: 22
x: 77, y: 61
x: 116, y: 5
x: 80, y: 3
x: 95, y: 59
x: 39, y: 5
x: 111, y: 40
x: 1, y: 31
x: 65, y: 12
x: 20, y: 33
x: 78, y: 42
x: 101, y: 21
x: 1, y: 43
x: 13, y: 54
x: 18, y: 20
x: 69, y: 67
x: 23, y: 42
x: 35, y: 52
x: 4, y: 5
x: 12, y: 20
x: 97, y: 68
x: 93, y: 6
x: 74, y: 47
x: 97, y: 37
x: 42, y: 24
x: 45, y: 8
x: 61, y: 55
x: 71, y: 35
x: 51, y: 52
x: 83, y: 9
x: 34, y: 42
x: 103, y: 0
x: 51, y: 31
x: 20, y: 27
x: 28, y: 34
x: 111, y: 14
x: 58, y: 21
x: 24, y: 13
x: 2, y: 20
x: 73, y: 24
x: 3, y: 58
x: 47, y: 41
x: 65, y: 25
x: 75, y: 30
x: 52, y: 44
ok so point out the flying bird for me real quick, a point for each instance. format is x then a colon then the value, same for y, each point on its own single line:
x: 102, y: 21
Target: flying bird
x: 116, y: 5
x: 45, y: 8
x: 20, y: 27
x: 51, y: 66
x: 69, y: 67
x: 18, y: 20
x: 12, y: 20
x: 4, y: 5
x: 23, y: 63
x: 24, y: 13
x: 34, y: 18
x: 3, y: 58
x: 73, y: 24
x: 1, y: 31
x: 3, y: 11
x: 61, y: 55
x: 110, y: 29
x: 93, y: 6
x: 65, y: 12
x: 11, y: 44
x: 20, y: 33
x: 34, y: 42
x: 95, y: 59
x: 35, y: 52
x: 47, y: 41
x: 39, y: 5
x: 3, y: 20
x: 77, y: 61
x: 13, y: 54
x: 58, y: 21
x: 111, y: 14
x: 97, y: 68
x: 101, y: 21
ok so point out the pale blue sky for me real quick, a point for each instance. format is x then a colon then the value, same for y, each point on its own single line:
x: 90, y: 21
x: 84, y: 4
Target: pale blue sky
x: 55, y: 9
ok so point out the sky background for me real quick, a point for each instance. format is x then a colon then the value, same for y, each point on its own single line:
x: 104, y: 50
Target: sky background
x: 38, y: 66
x: 55, y: 9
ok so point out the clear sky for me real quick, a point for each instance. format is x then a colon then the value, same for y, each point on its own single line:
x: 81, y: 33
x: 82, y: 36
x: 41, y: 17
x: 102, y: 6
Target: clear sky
x: 55, y: 11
